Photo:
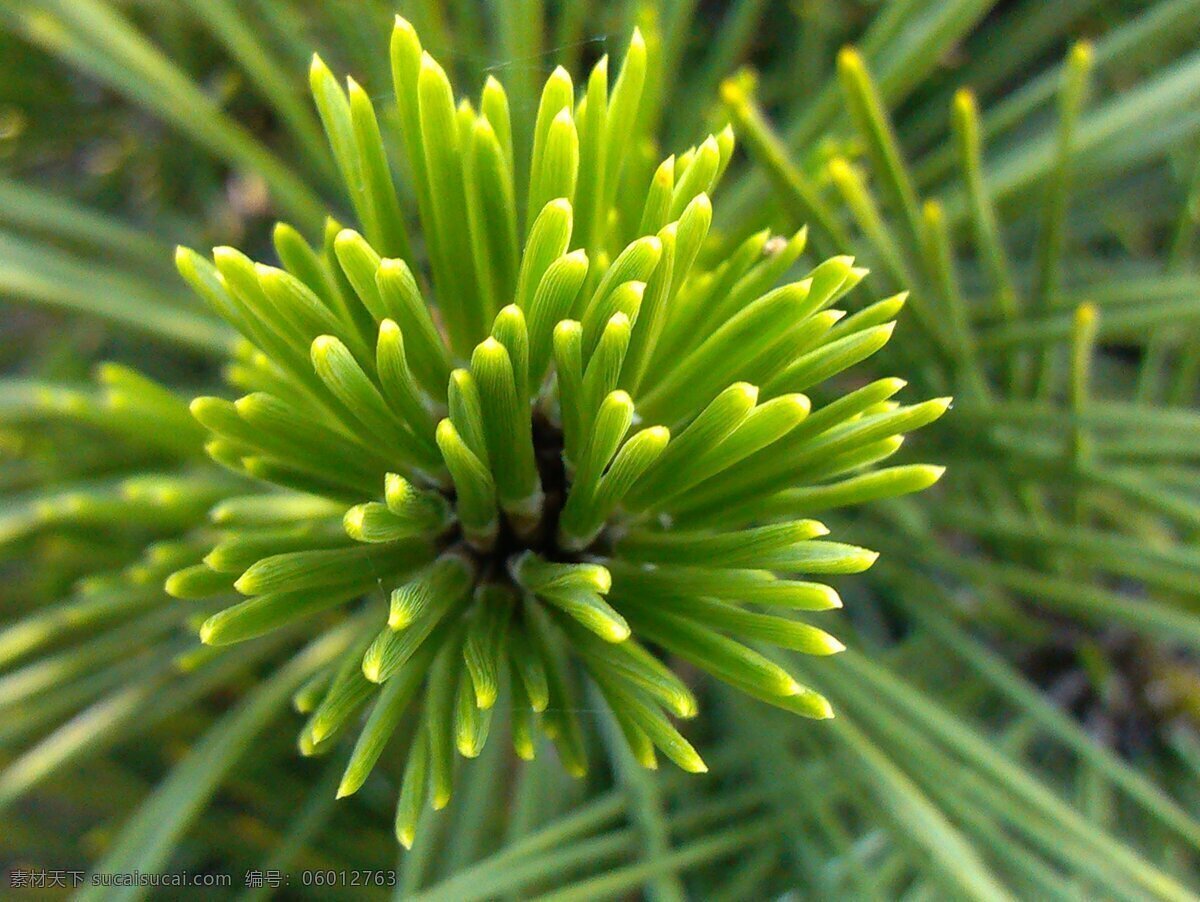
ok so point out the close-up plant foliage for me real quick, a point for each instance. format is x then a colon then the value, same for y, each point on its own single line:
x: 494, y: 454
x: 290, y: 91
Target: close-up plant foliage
x: 441, y: 442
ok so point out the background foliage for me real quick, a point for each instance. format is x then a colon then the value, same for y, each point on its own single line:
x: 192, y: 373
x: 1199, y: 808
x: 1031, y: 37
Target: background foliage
x: 1017, y: 711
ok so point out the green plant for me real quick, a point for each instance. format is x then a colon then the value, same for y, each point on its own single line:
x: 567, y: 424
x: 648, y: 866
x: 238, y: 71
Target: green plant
x: 529, y: 525
x: 1015, y: 713
x: 1060, y: 450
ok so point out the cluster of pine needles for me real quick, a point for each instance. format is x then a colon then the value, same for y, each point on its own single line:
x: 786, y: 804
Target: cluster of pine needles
x: 513, y: 447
